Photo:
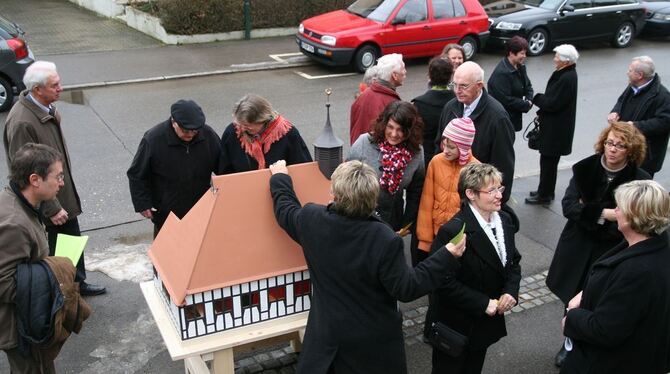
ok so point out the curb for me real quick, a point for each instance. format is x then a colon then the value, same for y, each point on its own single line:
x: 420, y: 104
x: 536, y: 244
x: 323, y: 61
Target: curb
x: 241, y: 68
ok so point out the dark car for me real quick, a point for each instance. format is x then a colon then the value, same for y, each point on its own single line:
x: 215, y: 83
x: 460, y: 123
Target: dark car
x: 658, y: 18
x: 550, y: 22
x: 15, y: 57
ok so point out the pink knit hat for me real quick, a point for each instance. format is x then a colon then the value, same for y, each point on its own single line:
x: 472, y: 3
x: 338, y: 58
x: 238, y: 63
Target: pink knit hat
x: 462, y: 132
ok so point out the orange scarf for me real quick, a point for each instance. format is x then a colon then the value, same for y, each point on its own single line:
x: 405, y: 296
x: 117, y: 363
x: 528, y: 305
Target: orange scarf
x: 258, y: 145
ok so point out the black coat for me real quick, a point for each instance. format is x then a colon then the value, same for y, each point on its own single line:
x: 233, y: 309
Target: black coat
x: 358, y: 272
x: 461, y: 303
x: 623, y: 323
x: 650, y: 112
x: 558, y: 110
x: 430, y: 106
x: 494, y: 135
x: 583, y: 240
x: 512, y: 88
x: 170, y: 175
x: 234, y: 159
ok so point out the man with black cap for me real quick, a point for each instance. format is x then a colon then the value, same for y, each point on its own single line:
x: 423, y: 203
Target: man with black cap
x: 173, y: 165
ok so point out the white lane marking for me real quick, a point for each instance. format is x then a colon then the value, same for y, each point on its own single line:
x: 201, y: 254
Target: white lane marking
x: 307, y: 76
x: 279, y: 57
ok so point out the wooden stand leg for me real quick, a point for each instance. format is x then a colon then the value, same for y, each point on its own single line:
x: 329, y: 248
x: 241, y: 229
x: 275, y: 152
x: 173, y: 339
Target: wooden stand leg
x: 223, y: 362
x: 296, y: 343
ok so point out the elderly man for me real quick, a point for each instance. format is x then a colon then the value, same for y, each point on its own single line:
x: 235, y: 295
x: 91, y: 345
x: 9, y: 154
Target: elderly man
x: 36, y: 174
x: 391, y: 74
x: 358, y: 271
x: 509, y: 82
x: 34, y: 119
x: 173, y: 165
x: 645, y: 103
x: 494, y: 136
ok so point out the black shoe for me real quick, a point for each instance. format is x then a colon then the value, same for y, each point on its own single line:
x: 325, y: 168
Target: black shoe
x: 538, y: 200
x: 534, y: 194
x: 86, y: 289
x: 560, y: 357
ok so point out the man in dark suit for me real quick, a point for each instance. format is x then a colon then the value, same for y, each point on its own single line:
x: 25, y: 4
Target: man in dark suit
x: 358, y: 271
x: 645, y: 104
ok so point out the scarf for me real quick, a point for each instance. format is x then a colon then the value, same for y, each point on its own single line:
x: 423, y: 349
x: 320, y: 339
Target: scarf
x: 394, y: 160
x: 496, y: 222
x: 258, y: 145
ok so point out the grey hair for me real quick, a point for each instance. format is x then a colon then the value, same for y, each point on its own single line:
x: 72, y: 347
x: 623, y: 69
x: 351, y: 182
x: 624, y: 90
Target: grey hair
x: 38, y: 74
x: 476, y: 71
x: 644, y: 65
x: 389, y: 64
x: 567, y: 52
x: 645, y: 204
x: 355, y: 188
x: 371, y: 75
x: 252, y: 108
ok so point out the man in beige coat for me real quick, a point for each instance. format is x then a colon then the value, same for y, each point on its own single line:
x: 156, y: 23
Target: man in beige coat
x: 35, y: 119
x: 36, y: 175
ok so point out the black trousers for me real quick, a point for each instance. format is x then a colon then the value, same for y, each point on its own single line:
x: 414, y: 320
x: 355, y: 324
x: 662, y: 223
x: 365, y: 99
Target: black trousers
x: 71, y: 227
x: 33, y: 364
x: 548, y: 173
x: 470, y: 362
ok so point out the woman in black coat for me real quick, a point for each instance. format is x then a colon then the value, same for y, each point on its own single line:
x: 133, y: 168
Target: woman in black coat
x: 558, y: 109
x: 258, y: 137
x: 589, y: 205
x: 474, y: 300
x: 358, y: 272
x: 620, y: 323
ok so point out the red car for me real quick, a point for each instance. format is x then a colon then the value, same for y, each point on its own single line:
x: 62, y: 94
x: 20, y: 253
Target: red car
x: 369, y: 29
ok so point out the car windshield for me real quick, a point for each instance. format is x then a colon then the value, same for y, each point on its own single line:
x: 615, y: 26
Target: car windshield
x: 376, y: 10
x: 544, y: 4
x: 8, y: 27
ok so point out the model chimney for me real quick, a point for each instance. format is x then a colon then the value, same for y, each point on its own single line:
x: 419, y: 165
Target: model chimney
x: 327, y: 146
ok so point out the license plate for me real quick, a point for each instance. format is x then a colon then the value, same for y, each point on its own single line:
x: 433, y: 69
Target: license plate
x: 307, y: 47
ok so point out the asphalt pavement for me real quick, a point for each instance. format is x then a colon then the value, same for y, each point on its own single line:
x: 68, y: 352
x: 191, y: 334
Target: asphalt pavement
x: 120, y: 337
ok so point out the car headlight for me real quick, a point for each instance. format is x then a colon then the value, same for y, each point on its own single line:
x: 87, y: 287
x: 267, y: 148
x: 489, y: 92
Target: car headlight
x: 661, y: 16
x: 301, y: 28
x: 328, y: 40
x: 508, y: 26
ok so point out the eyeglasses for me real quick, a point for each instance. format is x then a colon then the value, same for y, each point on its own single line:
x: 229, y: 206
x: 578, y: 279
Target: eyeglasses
x: 617, y: 146
x: 185, y: 131
x: 494, y: 190
x: 60, y: 177
x: 463, y: 87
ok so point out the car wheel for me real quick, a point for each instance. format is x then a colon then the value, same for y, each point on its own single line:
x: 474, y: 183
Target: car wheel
x: 469, y: 45
x: 365, y: 57
x: 6, y: 94
x: 538, y: 41
x: 624, y: 35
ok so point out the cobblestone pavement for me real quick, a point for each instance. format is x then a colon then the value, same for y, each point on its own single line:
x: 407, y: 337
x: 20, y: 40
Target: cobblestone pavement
x: 282, y: 360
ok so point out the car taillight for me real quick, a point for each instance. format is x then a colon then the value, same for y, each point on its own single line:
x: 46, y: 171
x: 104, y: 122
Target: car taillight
x: 19, y: 47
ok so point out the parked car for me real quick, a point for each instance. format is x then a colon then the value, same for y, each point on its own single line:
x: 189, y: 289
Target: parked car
x: 15, y: 57
x: 368, y: 29
x: 658, y: 18
x: 549, y: 22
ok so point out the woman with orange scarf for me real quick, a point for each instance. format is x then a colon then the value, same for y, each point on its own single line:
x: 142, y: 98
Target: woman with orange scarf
x: 258, y: 137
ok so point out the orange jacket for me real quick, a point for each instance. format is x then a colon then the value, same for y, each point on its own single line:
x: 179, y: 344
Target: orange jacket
x: 439, y: 200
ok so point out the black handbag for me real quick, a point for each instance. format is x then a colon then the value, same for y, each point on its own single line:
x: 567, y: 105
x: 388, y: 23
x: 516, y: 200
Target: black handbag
x: 446, y: 339
x: 532, y: 134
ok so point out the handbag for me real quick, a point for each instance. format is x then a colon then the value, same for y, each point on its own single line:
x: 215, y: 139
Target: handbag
x: 446, y: 339
x: 532, y: 134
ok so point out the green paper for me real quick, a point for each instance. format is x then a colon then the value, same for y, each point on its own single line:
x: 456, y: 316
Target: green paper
x: 70, y: 246
x: 458, y: 236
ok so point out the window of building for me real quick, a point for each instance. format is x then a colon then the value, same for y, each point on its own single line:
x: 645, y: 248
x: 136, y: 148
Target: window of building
x: 224, y: 305
x: 301, y: 288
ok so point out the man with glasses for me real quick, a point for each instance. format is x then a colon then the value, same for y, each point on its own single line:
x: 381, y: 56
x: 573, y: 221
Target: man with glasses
x: 173, y: 165
x: 494, y: 132
x: 35, y: 119
x: 645, y: 104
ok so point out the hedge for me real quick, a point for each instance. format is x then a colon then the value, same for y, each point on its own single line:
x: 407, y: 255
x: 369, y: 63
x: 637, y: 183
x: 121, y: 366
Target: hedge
x: 188, y: 17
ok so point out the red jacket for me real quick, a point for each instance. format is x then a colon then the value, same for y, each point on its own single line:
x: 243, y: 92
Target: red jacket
x: 367, y: 107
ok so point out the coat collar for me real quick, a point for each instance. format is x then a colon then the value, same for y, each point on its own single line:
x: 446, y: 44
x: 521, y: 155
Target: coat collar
x: 589, y: 174
x: 623, y: 252
x: 479, y: 109
x: 479, y: 241
x: 26, y: 204
x: 173, y: 139
x: 41, y: 116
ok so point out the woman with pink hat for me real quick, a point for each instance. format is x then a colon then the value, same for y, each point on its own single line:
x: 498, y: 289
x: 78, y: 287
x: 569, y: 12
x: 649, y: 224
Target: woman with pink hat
x: 440, y: 199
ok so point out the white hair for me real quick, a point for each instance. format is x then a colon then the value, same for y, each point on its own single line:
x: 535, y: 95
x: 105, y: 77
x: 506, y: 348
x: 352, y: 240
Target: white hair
x: 38, y: 73
x: 644, y: 65
x: 567, y: 52
x: 371, y: 75
x: 473, y: 70
x: 389, y: 64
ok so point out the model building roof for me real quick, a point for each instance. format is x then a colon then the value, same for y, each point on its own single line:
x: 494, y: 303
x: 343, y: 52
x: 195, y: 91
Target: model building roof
x: 231, y: 236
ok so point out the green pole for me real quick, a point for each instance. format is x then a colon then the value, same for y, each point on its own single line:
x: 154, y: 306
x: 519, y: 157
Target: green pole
x: 247, y: 19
